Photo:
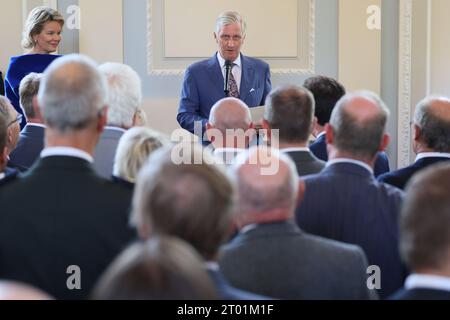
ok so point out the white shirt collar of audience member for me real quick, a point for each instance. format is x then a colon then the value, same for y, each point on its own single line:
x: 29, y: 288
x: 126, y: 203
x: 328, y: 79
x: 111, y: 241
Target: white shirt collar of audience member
x: 427, y: 282
x: 424, y: 155
x: 66, y: 152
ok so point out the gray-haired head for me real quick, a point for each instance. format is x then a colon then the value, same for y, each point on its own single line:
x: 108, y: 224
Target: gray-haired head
x: 230, y: 17
x: 190, y: 201
x: 425, y: 220
x: 290, y: 110
x: 432, y: 116
x: 36, y: 20
x: 358, y: 122
x: 259, y: 193
x: 124, y: 94
x: 29, y: 88
x: 72, y: 93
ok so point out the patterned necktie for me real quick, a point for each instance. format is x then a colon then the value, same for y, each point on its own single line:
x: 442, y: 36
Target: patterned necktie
x: 234, y: 91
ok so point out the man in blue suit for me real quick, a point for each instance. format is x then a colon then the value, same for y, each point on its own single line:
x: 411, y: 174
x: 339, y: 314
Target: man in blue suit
x: 431, y: 139
x: 249, y: 78
x: 345, y: 202
x: 327, y: 92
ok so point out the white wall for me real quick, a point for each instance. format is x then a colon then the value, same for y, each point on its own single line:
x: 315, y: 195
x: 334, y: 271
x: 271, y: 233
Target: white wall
x: 10, y: 32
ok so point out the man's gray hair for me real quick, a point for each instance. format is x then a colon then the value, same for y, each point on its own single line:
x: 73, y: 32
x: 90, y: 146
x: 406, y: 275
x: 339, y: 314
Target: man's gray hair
x: 29, y: 88
x: 434, y: 125
x: 360, y: 138
x: 255, y: 197
x: 124, y: 93
x: 72, y: 93
x: 230, y: 17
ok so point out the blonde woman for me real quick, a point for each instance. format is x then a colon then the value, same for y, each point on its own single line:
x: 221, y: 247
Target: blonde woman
x: 41, y: 37
x: 134, y: 148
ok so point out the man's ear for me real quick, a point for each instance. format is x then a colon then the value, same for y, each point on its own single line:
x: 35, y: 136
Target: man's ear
x: 216, y: 37
x: 102, y: 119
x: 208, y: 132
x: 37, y: 109
x: 3, y: 158
x: 416, y: 132
x: 301, y: 191
x: 384, y: 142
x: 329, y: 133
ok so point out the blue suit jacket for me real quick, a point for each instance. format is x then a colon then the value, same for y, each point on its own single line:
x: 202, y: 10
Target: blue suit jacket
x: 319, y: 149
x: 400, y: 178
x: 30, y: 145
x: 203, y: 87
x: 421, y: 294
x: 345, y: 203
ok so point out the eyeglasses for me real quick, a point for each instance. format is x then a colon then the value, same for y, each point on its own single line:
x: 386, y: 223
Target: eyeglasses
x: 18, y: 119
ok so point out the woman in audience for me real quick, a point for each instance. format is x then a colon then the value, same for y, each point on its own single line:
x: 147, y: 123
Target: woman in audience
x: 161, y: 269
x: 133, y: 149
x: 41, y: 36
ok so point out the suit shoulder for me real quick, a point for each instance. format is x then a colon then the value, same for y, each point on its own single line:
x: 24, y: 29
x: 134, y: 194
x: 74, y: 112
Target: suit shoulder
x: 199, y: 65
x: 257, y: 62
x: 332, y: 246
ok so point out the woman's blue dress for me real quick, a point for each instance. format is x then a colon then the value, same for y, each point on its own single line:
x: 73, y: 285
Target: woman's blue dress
x: 19, y: 68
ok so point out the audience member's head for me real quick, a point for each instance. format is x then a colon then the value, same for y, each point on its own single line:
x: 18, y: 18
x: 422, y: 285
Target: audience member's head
x: 432, y: 125
x: 72, y: 99
x: 10, y: 290
x: 134, y: 147
x: 191, y: 201
x: 425, y: 222
x: 291, y: 111
x: 28, y: 90
x: 124, y: 94
x: 267, y: 186
x: 161, y: 269
x: 3, y: 143
x: 13, y: 119
x: 357, y: 127
x: 229, y: 124
x: 327, y: 92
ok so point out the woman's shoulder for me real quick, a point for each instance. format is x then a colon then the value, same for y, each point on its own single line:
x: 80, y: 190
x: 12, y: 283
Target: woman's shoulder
x: 30, y: 63
x: 33, y: 58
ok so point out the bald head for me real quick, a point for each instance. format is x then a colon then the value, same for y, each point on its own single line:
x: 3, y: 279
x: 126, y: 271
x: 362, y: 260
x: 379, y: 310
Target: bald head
x: 358, y: 124
x: 230, y: 113
x: 72, y: 93
x: 18, y: 291
x: 267, y: 184
x: 432, y: 123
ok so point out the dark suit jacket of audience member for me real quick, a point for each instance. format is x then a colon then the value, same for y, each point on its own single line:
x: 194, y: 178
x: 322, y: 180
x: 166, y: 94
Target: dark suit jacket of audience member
x: 61, y: 214
x: 400, y: 178
x: 306, y: 162
x: 106, y: 151
x: 28, y: 150
x: 281, y: 261
x: 10, y: 175
x: 421, y: 294
x: 227, y: 292
x: 319, y: 149
x: 345, y: 203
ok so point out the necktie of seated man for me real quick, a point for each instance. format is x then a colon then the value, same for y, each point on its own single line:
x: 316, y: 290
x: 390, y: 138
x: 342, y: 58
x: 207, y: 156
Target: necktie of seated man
x: 234, y: 91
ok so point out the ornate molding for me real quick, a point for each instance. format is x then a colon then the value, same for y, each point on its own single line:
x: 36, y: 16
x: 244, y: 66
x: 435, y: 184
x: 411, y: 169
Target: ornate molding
x: 158, y: 71
x: 405, y: 79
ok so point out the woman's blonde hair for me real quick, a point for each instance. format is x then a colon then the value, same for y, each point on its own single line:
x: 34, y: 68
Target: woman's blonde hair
x: 133, y: 149
x: 34, y: 25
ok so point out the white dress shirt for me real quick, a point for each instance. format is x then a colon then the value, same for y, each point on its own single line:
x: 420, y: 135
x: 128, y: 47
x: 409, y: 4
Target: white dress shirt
x: 237, y: 69
x: 66, y: 152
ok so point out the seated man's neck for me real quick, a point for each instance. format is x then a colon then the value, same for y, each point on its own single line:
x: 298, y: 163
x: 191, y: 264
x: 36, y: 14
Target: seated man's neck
x: 83, y: 140
x: 293, y: 145
x: 334, y: 154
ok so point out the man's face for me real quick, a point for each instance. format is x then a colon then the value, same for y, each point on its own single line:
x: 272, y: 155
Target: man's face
x: 230, y: 41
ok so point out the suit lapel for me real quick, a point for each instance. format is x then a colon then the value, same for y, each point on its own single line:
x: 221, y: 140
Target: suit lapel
x: 248, y: 72
x: 216, y: 76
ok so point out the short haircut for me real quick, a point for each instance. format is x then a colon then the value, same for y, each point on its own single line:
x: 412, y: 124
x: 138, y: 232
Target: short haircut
x: 35, y: 23
x: 291, y: 110
x: 134, y: 147
x: 435, y: 128
x: 360, y: 138
x: 72, y: 93
x: 4, y: 120
x: 259, y: 197
x: 29, y: 88
x: 327, y: 92
x: 190, y: 201
x: 230, y: 17
x: 160, y: 269
x: 425, y: 219
x: 124, y: 93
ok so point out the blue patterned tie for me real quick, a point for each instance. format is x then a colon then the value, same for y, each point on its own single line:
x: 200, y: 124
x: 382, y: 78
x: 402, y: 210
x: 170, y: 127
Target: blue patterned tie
x: 234, y: 91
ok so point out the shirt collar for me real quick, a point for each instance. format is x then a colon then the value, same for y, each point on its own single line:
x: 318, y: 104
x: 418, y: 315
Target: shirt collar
x: 237, y: 62
x: 321, y: 134
x: 345, y: 160
x: 2, y: 175
x: 213, y: 266
x: 427, y: 282
x: 67, y: 152
x: 32, y: 124
x: 432, y: 155
x: 286, y: 150
x: 115, y: 128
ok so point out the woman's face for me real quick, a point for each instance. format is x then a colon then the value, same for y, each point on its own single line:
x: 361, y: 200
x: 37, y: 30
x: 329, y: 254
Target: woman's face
x: 48, y: 40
